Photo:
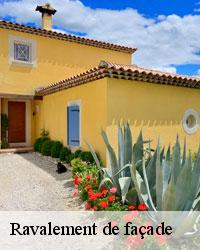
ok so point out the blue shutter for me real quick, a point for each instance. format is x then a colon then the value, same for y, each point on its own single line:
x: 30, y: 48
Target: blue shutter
x: 73, y: 126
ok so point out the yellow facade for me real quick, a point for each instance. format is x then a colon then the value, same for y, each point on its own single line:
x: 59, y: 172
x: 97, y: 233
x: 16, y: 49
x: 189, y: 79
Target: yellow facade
x: 55, y: 61
x: 52, y: 113
x: 156, y: 109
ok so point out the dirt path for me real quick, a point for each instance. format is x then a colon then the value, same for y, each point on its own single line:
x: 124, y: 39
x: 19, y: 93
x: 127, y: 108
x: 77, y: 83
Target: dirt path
x: 30, y: 182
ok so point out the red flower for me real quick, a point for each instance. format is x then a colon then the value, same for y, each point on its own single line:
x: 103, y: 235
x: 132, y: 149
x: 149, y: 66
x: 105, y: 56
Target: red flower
x: 142, y: 207
x: 131, y: 207
x: 111, y: 198
x: 90, y: 192
x: 103, y: 204
x: 88, y: 206
x: 95, y: 208
x: 87, y: 187
x: 99, y: 195
x: 88, y: 177
x: 93, y: 197
x: 77, y: 180
x: 104, y: 192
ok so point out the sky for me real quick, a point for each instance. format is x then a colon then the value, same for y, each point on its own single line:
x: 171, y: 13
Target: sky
x: 166, y: 32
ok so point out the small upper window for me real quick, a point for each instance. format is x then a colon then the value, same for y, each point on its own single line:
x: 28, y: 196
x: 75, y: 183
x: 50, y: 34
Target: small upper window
x: 22, y: 51
x: 190, y: 121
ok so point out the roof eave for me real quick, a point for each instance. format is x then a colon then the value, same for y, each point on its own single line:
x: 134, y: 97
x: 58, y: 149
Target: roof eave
x: 66, y: 37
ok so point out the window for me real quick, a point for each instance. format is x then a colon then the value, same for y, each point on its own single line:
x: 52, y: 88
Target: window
x: 22, y: 51
x: 73, y: 125
x: 190, y: 121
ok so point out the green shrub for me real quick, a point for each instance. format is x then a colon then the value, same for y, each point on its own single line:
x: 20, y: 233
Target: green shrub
x: 39, y: 142
x: 56, y: 149
x: 46, y: 147
x: 78, y: 167
x: 77, y: 153
x: 81, y: 168
x: 4, y: 124
x: 4, y: 128
x: 4, y: 143
x: 87, y: 157
x: 69, y: 158
x: 64, y: 153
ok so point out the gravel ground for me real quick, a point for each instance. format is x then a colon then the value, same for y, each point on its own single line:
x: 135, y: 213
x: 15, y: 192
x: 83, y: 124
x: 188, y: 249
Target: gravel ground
x: 30, y: 182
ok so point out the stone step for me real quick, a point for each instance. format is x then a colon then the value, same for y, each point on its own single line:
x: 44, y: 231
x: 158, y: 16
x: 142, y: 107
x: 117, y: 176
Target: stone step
x: 18, y: 150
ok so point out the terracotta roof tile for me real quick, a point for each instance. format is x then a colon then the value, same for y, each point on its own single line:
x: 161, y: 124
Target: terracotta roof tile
x: 66, y: 37
x: 121, y: 71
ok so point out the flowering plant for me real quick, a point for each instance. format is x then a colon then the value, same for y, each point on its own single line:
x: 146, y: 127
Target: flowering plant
x: 98, y: 197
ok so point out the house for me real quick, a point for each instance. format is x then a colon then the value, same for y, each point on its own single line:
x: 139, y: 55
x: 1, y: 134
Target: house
x: 73, y: 87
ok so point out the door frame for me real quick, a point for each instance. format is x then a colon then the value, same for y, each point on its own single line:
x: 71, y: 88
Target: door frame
x: 28, y: 118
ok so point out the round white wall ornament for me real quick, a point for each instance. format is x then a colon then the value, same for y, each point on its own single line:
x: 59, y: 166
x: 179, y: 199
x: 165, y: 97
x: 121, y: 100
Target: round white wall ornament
x: 190, y: 121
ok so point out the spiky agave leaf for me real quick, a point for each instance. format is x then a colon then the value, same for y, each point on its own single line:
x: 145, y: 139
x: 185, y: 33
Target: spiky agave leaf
x: 176, y: 160
x: 138, y: 182
x: 95, y: 157
x: 150, y: 200
x: 184, y: 154
x: 93, y: 154
x: 138, y: 152
x: 183, y: 183
x: 121, y: 150
x: 195, y: 183
x: 166, y: 170
x: 113, y: 160
x: 159, y: 178
x: 127, y: 148
x: 151, y: 173
x: 169, y: 198
x: 124, y: 183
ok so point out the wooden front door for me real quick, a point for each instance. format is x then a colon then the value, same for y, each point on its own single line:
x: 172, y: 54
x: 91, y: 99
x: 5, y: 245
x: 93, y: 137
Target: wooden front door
x: 17, y: 122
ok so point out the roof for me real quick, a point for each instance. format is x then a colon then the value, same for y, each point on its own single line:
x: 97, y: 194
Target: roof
x: 65, y: 37
x: 121, y: 71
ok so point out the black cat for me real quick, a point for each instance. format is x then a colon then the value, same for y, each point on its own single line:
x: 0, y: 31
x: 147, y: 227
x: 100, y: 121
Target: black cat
x: 61, y: 168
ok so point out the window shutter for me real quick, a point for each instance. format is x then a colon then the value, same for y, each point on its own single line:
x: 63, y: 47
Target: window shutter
x: 73, y: 117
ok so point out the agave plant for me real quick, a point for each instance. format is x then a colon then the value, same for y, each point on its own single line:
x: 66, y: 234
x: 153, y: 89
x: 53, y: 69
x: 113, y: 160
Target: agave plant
x: 165, y: 182
x: 119, y: 172
x: 169, y: 183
